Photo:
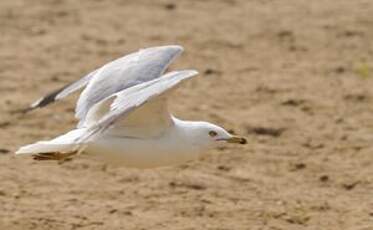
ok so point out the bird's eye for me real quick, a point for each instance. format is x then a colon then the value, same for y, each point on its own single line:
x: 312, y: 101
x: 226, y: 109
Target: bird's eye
x: 213, y: 133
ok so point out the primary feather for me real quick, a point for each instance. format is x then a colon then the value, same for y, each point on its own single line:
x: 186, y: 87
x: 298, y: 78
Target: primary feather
x: 130, y: 70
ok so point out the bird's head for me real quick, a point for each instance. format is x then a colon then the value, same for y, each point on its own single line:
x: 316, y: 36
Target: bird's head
x: 210, y: 135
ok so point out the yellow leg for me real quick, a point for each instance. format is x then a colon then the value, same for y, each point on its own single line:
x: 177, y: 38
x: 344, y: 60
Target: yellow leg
x: 54, y: 156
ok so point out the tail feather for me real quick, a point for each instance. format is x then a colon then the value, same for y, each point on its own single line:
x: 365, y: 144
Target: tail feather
x: 46, y: 147
x: 61, y: 144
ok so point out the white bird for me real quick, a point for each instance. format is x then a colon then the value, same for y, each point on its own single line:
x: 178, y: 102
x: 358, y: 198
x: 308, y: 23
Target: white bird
x: 124, y: 119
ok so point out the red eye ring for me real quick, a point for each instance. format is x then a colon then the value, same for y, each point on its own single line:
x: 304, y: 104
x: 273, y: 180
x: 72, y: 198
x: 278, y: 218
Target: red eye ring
x: 213, y: 133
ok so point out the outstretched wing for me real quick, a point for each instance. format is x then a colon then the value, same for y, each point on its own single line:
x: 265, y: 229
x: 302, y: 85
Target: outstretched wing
x: 61, y: 93
x: 135, y: 99
x: 131, y: 70
x: 135, y: 68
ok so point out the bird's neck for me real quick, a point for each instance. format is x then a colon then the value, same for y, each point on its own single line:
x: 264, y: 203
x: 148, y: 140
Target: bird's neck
x: 189, y: 133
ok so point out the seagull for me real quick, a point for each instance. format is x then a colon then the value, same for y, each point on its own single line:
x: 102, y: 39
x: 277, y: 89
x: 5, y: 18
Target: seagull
x: 124, y: 118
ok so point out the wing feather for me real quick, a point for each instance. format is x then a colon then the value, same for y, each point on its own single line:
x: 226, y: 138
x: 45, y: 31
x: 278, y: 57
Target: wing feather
x: 61, y: 92
x: 131, y: 70
x: 130, y: 99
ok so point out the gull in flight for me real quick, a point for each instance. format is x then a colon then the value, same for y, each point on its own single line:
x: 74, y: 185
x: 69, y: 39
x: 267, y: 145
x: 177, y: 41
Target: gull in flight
x: 124, y: 118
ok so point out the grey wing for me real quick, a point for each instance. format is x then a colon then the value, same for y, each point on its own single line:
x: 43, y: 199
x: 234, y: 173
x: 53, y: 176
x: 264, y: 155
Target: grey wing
x: 134, y: 98
x: 131, y: 70
x: 61, y: 93
x: 127, y: 71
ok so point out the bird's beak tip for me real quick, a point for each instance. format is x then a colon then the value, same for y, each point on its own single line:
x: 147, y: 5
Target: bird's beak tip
x: 237, y: 140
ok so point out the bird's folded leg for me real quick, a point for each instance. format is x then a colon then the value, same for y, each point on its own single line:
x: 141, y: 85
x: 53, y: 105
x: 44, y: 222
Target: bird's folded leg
x: 60, y: 156
x: 57, y: 156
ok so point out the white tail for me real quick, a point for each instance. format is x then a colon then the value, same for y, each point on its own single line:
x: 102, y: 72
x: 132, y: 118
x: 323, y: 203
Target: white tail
x: 61, y: 144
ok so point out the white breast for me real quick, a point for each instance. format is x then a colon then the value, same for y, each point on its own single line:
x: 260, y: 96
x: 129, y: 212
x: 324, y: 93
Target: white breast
x: 143, y: 153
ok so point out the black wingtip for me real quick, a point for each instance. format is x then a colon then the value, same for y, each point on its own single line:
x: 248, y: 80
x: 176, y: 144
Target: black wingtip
x: 48, y: 99
x: 42, y: 102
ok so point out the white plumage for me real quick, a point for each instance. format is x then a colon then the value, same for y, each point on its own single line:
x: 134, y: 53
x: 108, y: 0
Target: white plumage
x: 123, y: 115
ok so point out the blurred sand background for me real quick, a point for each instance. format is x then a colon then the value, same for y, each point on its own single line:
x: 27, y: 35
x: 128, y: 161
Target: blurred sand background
x: 294, y: 76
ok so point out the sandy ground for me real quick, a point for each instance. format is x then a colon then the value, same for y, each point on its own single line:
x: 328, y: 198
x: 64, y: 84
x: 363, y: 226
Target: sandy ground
x: 294, y: 76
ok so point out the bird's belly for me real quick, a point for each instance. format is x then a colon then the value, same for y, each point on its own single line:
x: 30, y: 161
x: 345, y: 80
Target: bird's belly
x: 140, y: 153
